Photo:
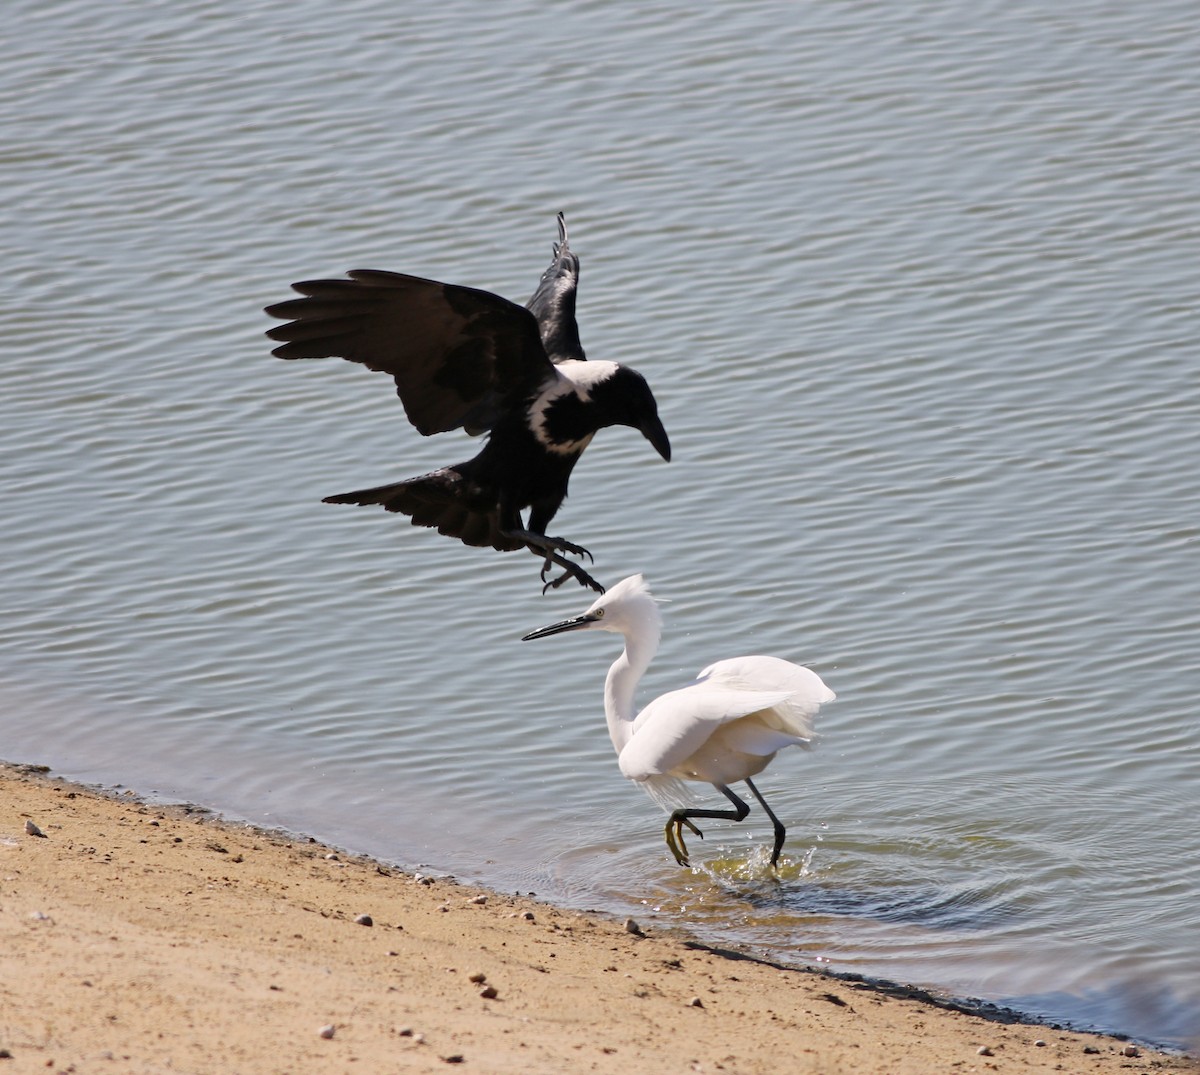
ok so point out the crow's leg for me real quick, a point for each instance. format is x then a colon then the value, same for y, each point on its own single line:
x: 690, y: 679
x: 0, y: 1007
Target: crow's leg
x: 550, y: 549
x: 570, y: 571
x: 541, y: 543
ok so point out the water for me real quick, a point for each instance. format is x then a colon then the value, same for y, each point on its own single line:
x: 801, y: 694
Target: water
x: 916, y: 288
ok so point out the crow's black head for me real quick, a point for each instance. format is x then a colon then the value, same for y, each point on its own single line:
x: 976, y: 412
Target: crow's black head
x: 625, y: 399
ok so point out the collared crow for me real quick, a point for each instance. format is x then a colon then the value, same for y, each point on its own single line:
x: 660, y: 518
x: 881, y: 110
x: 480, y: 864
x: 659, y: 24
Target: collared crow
x: 467, y: 359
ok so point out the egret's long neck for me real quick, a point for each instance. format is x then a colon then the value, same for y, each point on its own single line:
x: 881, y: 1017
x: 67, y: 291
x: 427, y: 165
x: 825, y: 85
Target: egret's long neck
x: 622, y: 681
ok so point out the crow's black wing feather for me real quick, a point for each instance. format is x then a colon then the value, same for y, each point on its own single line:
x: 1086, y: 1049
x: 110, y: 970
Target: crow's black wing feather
x: 459, y: 356
x: 553, y: 303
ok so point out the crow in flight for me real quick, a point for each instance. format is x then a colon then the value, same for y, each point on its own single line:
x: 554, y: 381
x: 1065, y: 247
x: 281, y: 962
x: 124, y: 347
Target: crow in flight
x: 465, y: 358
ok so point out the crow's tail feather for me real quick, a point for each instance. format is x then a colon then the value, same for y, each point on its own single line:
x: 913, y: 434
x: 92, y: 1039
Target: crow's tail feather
x: 443, y: 500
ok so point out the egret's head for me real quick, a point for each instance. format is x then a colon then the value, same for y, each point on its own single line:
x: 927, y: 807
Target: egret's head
x: 628, y: 608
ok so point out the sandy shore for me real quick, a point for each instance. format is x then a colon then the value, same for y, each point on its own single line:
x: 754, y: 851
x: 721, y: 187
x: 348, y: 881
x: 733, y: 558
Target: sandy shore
x: 141, y: 938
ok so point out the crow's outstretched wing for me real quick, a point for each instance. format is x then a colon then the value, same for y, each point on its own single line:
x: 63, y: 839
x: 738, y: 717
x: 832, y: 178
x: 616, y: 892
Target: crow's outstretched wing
x: 553, y: 303
x: 460, y: 357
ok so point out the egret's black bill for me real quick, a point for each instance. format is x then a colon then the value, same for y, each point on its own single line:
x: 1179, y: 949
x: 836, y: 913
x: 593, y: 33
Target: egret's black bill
x: 558, y: 628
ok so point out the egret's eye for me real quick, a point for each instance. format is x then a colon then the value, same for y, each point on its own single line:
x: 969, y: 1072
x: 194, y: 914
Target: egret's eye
x: 599, y: 613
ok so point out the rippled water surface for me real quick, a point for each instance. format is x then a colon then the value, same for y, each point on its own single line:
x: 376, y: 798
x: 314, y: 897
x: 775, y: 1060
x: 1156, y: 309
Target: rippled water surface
x: 916, y: 287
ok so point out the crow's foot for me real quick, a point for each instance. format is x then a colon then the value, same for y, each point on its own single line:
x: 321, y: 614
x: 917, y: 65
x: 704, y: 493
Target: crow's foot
x: 570, y: 571
x: 550, y: 549
x: 545, y: 545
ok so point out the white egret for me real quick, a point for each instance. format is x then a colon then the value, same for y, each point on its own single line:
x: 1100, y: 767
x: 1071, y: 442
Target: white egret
x: 724, y: 727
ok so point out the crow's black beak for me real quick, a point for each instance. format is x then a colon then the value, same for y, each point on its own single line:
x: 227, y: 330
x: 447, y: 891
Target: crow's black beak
x: 652, y: 430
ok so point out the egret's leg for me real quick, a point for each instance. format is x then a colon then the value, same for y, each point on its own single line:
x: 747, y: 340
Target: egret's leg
x: 780, y: 831
x: 682, y: 817
x: 674, y: 831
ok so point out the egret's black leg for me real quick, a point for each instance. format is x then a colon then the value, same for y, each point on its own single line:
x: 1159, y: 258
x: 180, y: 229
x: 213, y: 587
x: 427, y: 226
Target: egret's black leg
x: 679, y: 849
x: 681, y: 817
x: 780, y: 831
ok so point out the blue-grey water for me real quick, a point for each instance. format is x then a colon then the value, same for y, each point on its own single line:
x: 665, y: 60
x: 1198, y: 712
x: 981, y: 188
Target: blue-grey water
x: 917, y: 287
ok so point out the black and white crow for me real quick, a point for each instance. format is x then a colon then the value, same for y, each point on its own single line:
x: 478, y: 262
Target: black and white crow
x: 464, y: 358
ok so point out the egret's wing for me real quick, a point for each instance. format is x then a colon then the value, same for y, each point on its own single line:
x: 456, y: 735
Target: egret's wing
x: 751, y: 737
x: 806, y: 691
x: 459, y: 356
x: 553, y: 303
x: 675, y: 725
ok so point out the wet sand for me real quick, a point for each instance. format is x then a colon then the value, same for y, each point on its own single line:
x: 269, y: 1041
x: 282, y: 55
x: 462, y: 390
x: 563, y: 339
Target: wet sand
x: 137, y: 937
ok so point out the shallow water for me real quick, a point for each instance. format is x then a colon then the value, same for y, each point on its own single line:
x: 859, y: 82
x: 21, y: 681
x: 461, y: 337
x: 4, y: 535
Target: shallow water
x: 916, y: 290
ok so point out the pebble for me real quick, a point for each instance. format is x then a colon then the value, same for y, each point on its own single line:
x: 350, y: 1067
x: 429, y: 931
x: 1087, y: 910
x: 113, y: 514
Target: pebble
x: 364, y: 920
x: 983, y: 1050
x: 32, y: 830
x: 632, y: 927
x: 696, y: 1002
x: 326, y: 1031
x: 331, y: 857
x: 528, y: 916
x: 1131, y: 1050
x: 405, y: 1032
x: 478, y: 977
x: 480, y: 900
x: 1040, y: 1044
x: 424, y: 879
x: 489, y: 992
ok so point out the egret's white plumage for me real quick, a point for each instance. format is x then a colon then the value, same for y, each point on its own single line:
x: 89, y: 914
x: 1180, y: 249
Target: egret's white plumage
x: 724, y: 727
